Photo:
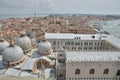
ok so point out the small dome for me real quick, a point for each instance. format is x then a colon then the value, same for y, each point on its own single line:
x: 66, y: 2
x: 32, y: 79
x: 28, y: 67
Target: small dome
x: 44, y: 58
x: 32, y: 37
x: 3, y: 45
x: 60, y: 49
x: 13, y: 55
x: 44, y: 48
x: 24, y: 42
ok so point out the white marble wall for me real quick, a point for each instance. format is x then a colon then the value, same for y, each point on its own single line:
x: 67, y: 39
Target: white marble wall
x: 96, y: 43
x: 85, y: 68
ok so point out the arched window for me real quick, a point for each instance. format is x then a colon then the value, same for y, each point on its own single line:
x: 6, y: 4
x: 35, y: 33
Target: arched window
x: 92, y: 71
x: 77, y: 71
x: 60, y: 75
x: 69, y: 78
x: 106, y: 71
x: 51, y: 71
x: 118, y: 73
x: 75, y: 78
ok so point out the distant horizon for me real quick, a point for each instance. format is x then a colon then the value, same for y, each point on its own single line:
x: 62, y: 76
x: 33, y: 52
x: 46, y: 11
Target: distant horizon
x: 56, y: 14
x: 60, y: 6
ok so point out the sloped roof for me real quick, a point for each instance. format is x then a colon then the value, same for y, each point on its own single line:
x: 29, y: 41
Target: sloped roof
x: 29, y: 64
x: 104, y: 56
x: 12, y: 72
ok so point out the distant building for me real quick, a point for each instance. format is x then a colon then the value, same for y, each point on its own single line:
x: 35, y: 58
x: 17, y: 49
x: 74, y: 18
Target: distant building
x: 86, y: 56
x: 83, y: 42
x: 65, y: 23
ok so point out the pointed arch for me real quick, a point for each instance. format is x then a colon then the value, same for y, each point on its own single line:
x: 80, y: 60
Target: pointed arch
x: 106, y: 71
x: 77, y: 71
x: 118, y: 73
x: 92, y: 71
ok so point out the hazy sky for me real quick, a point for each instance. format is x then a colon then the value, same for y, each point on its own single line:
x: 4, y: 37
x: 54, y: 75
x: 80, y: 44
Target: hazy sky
x: 60, y: 6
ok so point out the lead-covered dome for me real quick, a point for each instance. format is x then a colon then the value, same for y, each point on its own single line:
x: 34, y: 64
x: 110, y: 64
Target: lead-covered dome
x: 32, y: 38
x: 44, y: 48
x: 24, y: 42
x: 3, y: 45
x: 13, y: 55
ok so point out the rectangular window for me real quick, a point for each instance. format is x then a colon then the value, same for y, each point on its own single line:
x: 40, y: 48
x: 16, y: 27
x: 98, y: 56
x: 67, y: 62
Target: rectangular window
x: 81, y: 43
x: 98, y: 43
x: 67, y: 43
x: 90, y: 43
x: 85, y: 48
x: 58, y: 42
x: 77, y: 43
x: 80, y: 48
x: 86, y: 43
x: 72, y: 42
x: 54, y: 42
x: 95, y: 48
x: 72, y: 48
x: 95, y: 43
x: 61, y: 42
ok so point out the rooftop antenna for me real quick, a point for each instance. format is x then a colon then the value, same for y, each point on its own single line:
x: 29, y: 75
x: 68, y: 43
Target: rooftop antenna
x: 34, y: 13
